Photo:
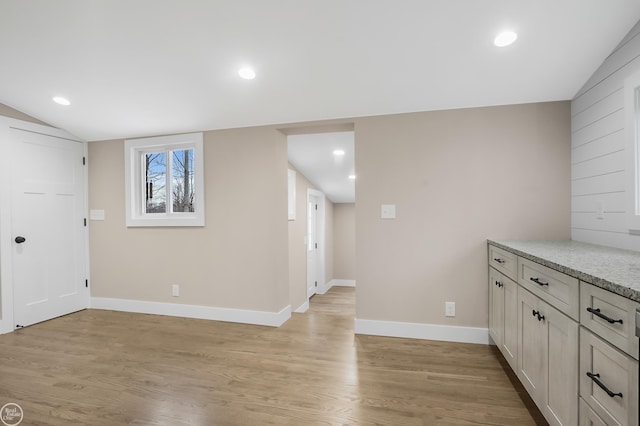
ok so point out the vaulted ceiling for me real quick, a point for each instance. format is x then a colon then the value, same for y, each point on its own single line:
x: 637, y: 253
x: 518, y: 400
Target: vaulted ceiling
x: 147, y: 67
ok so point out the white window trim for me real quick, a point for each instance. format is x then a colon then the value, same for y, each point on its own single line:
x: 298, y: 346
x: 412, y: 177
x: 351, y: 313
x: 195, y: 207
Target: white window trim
x: 135, y: 215
x: 632, y: 114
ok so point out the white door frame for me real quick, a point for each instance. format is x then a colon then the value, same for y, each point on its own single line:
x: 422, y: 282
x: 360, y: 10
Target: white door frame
x: 321, y: 230
x: 6, y: 245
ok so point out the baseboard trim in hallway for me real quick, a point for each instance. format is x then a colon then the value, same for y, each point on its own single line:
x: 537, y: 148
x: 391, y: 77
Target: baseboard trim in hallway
x: 444, y: 333
x: 244, y: 316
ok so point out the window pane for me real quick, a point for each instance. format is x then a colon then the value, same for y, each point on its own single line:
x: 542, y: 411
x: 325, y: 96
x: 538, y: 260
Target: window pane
x: 182, y: 186
x: 156, y: 180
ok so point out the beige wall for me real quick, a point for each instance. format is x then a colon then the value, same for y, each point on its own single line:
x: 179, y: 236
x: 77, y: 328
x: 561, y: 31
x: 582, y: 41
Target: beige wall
x: 297, y: 247
x: 7, y: 111
x: 344, y: 241
x: 238, y: 260
x: 329, y: 241
x: 457, y: 178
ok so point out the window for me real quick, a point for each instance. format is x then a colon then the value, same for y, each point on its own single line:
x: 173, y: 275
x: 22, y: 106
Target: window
x: 164, y: 181
x: 632, y: 135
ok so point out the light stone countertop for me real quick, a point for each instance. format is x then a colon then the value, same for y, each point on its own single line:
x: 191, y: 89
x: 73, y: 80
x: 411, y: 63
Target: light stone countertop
x: 609, y: 268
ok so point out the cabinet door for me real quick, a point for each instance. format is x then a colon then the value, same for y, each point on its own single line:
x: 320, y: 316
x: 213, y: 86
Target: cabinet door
x: 496, y: 306
x: 532, y: 347
x: 608, y: 380
x: 561, y: 396
x: 510, y: 331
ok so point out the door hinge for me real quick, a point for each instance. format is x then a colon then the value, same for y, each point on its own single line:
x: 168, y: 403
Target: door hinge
x: 316, y: 207
x: 85, y: 221
x: 316, y: 245
x: 84, y: 161
x: 316, y: 283
x: 86, y: 283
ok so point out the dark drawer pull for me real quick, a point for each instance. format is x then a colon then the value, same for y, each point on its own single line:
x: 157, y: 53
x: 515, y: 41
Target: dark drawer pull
x: 594, y: 377
x: 537, y: 314
x: 596, y: 312
x: 537, y: 281
x: 499, y: 284
x: 500, y: 261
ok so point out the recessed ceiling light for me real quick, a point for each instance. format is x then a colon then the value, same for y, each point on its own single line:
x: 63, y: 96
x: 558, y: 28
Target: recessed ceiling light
x: 247, y: 73
x: 61, y: 100
x: 505, y: 38
x: 338, y: 152
x: 352, y: 177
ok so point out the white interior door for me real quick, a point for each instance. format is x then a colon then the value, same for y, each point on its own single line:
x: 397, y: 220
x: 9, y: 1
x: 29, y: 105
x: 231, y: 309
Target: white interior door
x: 48, y: 228
x: 312, y: 245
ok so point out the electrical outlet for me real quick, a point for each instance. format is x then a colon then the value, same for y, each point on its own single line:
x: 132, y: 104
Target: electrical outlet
x: 449, y: 309
x: 175, y: 290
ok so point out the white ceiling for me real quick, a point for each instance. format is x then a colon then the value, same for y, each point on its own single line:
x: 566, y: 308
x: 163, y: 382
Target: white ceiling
x: 147, y: 67
x: 312, y: 154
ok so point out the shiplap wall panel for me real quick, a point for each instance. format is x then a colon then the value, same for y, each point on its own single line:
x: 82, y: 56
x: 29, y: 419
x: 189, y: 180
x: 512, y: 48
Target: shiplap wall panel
x: 612, y: 222
x: 604, y: 107
x: 616, y: 60
x: 603, y: 126
x: 597, y: 148
x: 605, y: 238
x: 614, y: 202
x: 602, y: 184
x: 603, y: 89
x: 598, y: 155
x: 609, y: 163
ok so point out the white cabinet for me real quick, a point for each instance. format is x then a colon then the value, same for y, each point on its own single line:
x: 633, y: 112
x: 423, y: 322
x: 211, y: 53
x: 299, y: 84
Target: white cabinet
x: 503, y: 261
x: 555, y: 288
x: 608, y: 380
x: 503, y: 315
x: 609, y: 316
x: 608, y: 348
x: 548, y: 358
x: 588, y: 417
x: 573, y: 346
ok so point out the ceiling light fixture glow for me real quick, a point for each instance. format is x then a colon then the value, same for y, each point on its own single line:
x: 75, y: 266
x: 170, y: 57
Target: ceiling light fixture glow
x: 60, y: 100
x: 338, y: 152
x: 352, y: 177
x: 505, y: 38
x: 247, y: 73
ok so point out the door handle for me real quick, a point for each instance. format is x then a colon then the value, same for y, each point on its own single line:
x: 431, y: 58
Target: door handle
x: 20, y: 240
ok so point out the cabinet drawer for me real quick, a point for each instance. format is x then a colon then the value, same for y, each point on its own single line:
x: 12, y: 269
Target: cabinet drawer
x: 559, y: 290
x: 610, y: 316
x: 504, y: 261
x: 588, y: 417
x: 615, y: 372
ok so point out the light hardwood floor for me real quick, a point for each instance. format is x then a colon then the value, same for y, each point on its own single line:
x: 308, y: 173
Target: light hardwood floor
x: 111, y: 368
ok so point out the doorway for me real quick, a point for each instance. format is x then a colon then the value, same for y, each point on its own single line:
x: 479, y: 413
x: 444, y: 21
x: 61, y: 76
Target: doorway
x: 48, y: 255
x: 315, y: 243
x: 324, y: 166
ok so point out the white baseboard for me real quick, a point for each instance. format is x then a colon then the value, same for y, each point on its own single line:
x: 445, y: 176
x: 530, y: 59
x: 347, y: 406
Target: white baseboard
x: 335, y: 283
x: 343, y: 283
x: 303, y: 308
x: 445, y: 333
x: 273, y: 319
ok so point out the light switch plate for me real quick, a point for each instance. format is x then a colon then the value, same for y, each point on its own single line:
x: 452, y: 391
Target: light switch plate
x: 96, y: 214
x: 388, y: 211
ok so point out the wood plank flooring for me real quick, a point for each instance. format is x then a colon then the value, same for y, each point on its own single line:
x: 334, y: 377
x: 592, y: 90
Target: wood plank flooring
x: 111, y: 368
